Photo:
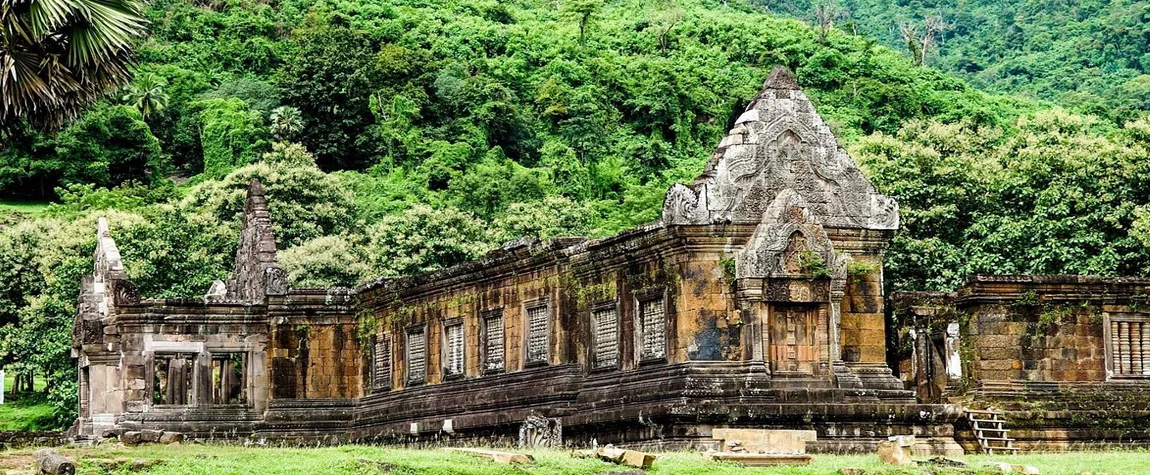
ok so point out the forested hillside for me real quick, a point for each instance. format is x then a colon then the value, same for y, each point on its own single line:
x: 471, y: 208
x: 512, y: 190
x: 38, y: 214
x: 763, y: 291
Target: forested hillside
x: 1093, y: 56
x: 394, y: 137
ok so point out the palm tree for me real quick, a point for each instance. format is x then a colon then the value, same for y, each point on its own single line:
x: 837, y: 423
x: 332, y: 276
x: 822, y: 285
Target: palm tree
x: 147, y: 94
x: 286, y: 122
x: 57, y: 56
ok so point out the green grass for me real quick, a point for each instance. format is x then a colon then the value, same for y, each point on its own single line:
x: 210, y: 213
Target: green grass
x: 222, y: 460
x: 25, y: 411
x: 10, y: 206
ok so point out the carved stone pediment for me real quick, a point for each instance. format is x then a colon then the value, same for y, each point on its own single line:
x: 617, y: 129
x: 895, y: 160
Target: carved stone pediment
x: 789, y: 242
x: 779, y: 143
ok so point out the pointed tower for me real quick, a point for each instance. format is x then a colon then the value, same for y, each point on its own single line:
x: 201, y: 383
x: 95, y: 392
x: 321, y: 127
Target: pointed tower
x: 781, y: 170
x: 780, y: 143
x: 257, y: 273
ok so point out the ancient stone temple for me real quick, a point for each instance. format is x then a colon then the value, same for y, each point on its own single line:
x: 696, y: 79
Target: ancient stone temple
x: 1066, y: 357
x: 756, y: 302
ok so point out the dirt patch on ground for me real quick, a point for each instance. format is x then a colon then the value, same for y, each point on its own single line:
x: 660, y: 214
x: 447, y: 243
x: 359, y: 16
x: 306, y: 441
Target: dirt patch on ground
x: 16, y: 460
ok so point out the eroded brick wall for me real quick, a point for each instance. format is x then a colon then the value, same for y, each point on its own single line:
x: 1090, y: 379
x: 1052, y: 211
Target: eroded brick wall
x: 1042, y: 342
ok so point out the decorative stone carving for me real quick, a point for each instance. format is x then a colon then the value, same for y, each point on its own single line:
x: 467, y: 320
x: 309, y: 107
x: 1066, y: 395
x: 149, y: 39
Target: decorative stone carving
x: 126, y: 293
x: 536, y: 432
x: 217, y: 292
x: 787, y: 234
x: 683, y: 206
x: 275, y: 281
x: 780, y: 143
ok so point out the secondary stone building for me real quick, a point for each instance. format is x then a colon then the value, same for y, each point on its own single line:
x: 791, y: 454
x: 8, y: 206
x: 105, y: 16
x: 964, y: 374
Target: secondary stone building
x: 755, y: 302
x: 1066, y: 357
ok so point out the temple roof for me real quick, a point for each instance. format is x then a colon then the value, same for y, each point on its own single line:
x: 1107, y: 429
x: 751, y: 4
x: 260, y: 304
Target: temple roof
x: 780, y: 143
x: 257, y: 272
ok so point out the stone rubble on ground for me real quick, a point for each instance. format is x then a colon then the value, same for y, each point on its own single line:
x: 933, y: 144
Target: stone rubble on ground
x: 52, y: 463
x: 497, y: 456
x: 1014, y: 468
x: 943, y: 461
x: 896, y: 450
x: 630, y: 458
x: 148, y: 436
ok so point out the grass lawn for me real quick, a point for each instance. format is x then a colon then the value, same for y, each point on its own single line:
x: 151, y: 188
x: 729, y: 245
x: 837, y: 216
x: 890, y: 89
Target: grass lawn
x: 24, y: 411
x: 10, y: 206
x: 220, y: 460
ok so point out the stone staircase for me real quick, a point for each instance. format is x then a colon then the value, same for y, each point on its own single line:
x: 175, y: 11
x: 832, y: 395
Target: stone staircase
x: 989, y: 428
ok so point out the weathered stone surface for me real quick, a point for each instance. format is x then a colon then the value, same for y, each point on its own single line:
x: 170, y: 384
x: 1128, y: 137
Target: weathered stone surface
x: 1000, y: 466
x: 52, y: 463
x: 171, y: 438
x: 131, y: 437
x: 896, y: 450
x: 779, y: 143
x: 744, y: 309
x: 1026, y: 469
x: 498, y: 456
x: 150, y: 436
x: 1048, y: 350
x: 541, y: 432
x: 257, y: 272
x: 768, y: 441
x: 631, y: 458
x: 761, y: 460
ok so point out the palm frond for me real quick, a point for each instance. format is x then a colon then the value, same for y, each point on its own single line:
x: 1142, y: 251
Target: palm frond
x: 56, y: 56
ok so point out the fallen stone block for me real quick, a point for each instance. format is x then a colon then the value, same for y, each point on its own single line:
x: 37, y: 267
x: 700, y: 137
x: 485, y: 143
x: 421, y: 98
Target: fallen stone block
x: 140, y: 465
x: 1001, y: 466
x: 891, y: 452
x: 171, y: 438
x: 1026, y: 469
x: 497, y: 456
x: 851, y: 471
x: 53, y: 463
x: 150, y: 436
x: 767, y: 441
x: 943, y: 461
x: 630, y: 458
x: 131, y: 438
x: 761, y: 460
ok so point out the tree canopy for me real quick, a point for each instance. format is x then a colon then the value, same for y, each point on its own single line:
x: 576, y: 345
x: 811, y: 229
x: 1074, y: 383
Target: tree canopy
x: 376, y: 126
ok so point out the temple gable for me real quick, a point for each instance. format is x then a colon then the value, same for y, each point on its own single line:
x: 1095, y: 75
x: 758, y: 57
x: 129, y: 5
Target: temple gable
x: 780, y: 143
x: 257, y: 272
x: 789, y: 242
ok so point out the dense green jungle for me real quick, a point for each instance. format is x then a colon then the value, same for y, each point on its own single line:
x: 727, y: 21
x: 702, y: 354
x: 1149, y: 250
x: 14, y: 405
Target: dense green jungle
x: 395, y: 137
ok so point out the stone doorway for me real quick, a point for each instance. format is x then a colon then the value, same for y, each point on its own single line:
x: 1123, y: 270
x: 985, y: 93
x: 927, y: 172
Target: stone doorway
x: 792, y: 339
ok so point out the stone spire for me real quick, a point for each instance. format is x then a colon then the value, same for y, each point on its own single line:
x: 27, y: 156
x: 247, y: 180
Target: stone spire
x: 257, y: 272
x: 781, y: 79
x: 780, y: 143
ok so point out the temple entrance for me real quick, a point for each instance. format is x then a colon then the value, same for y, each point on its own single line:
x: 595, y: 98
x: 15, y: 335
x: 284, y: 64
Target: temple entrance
x: 792, y: 339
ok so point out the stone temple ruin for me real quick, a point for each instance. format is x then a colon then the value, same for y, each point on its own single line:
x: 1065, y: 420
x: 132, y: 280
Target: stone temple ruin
x: 756, y: 302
